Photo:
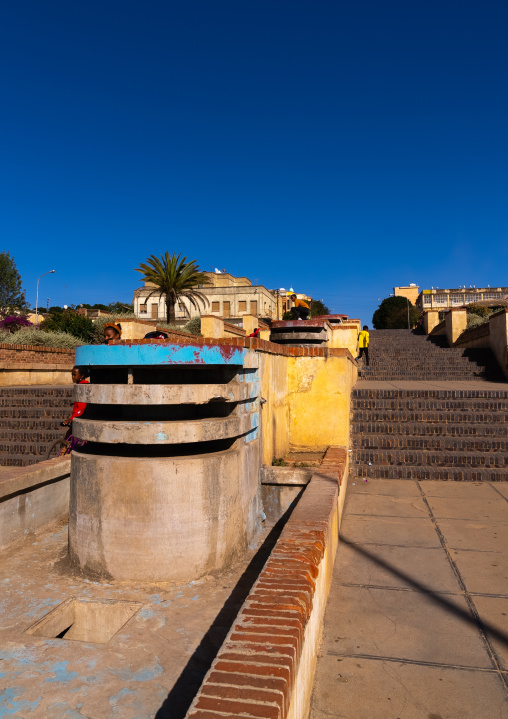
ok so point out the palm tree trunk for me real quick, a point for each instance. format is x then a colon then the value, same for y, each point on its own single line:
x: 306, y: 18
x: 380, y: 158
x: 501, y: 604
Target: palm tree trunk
x: 170, y: 312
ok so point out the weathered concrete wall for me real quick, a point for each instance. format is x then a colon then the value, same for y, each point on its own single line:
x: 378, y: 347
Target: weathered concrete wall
x: 498, y: 329
x: 455, y: 324
x: 32, y: 497
x: 273, y: 374
x: 319, y: 401
x: 430, y: 321
x: 346, y: 336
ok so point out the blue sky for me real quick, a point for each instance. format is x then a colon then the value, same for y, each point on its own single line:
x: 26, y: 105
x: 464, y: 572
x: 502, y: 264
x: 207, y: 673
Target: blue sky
x: 340, y: 148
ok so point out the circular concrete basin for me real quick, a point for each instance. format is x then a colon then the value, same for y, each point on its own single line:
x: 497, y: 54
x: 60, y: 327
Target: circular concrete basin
x: 163, y: 394
x: 175, y: 432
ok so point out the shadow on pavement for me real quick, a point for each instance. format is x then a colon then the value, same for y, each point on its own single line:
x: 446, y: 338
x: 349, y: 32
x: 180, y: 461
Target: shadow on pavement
x: 440, y: 599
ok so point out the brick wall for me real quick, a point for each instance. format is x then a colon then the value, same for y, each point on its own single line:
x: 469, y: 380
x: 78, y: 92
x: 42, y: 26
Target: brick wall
x: 31, y: 357
x: 265, y: 667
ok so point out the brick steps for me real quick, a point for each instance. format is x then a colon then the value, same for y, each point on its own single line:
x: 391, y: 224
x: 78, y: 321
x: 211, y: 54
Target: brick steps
x: 423, y: 457
x: 387, y: 429
x: 429, y: 433
x: 457, y: 474
x: 400, y: 354
x: 421, y: 416
x: 434, y: 443
x: 30, y: 421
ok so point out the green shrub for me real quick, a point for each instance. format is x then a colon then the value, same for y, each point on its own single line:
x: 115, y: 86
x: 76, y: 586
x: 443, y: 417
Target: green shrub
x: 40, y: 338
x: 71, y: 323
x: 193, y: 326
x: 478, y: 310
x: 279, y: 462
x: 476, y: 321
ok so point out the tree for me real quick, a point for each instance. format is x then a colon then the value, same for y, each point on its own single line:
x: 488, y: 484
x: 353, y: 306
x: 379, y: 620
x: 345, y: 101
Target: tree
x: 72, y: 323
x: 12, y: 294
x: 174, y: 278
x: 392, y: 314
x: 318, y: 308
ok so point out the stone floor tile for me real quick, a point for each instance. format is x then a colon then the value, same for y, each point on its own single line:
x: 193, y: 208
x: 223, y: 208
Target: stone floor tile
x: 414, y: 532
x: 390, y: 623
x: 493, y: 612
x: 456, y: 490
x: 378, y: 504
x: 478, y: 535
x: 384, y: 488
x: 482, y: 572
x: 493, y: 509
x: 429, y: 567
x: 370, y: 689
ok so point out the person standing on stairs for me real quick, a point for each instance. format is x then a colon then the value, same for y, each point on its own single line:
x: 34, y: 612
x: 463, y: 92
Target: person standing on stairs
x: 363, y: 345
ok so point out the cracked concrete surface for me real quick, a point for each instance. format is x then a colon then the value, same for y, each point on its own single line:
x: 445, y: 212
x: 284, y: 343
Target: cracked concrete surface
x: 152, y: 666
x: 416, y: 625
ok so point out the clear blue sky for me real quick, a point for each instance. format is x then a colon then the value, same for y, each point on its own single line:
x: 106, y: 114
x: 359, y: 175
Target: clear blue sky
x: 340, y: 148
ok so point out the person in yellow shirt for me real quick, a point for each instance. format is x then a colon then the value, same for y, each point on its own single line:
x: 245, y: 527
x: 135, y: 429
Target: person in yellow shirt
x: 363, y: 344
x: 301, y: 309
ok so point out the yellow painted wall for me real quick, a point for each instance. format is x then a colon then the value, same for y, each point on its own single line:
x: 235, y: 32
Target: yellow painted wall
x: 319, y: 401
x: 345, y: 336
x: 273, y: 373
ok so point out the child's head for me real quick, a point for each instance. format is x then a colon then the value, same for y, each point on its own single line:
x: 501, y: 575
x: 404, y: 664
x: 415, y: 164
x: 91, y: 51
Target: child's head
x: 79, y: 373
x: 366, y: 327
x: 112, y: 332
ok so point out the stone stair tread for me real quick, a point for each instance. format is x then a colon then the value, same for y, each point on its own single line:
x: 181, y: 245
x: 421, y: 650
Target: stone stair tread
x: 463, y: 474
x: 433, y: 442
x: 424, y: 429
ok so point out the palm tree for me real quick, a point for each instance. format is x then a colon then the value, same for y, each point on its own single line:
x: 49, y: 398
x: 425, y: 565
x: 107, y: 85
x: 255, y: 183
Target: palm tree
x: 174, y: 278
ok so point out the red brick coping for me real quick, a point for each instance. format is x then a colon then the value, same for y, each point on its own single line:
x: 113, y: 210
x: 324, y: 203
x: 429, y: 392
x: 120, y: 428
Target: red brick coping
x: 256, y: 671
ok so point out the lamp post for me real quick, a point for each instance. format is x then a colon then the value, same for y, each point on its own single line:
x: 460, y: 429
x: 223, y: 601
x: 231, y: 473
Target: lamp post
x: 50, y: 272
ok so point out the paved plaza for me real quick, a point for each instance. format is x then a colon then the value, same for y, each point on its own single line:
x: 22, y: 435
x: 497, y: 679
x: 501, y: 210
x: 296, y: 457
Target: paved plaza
x: 416, y: 625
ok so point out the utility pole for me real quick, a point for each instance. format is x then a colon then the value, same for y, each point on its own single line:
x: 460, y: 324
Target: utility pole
x: 50, y: 272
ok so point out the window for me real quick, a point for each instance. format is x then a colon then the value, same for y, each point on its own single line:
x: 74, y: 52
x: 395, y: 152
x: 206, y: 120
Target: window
x: 470, y: 298
x: 440, y: 299
x: 143, y: 309
x: 491, y: 295
x: 254, y: 307
x: 427, y: 299
x: 226, y: 309
x: 457, y: 299
x: 242, y: 306
x: 215, y: 307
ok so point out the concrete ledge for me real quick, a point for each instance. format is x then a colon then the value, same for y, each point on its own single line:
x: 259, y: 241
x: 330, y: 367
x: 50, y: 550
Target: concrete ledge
x: 286, y: 475
x: 32, y: 498
x: 265, y: 668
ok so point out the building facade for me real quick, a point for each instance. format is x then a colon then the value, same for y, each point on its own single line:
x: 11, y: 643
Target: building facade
x: 226, y: 296
x: 442, y: 299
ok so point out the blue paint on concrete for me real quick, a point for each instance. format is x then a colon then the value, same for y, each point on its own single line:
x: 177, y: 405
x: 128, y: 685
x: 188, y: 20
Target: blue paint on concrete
x: 62, y: 676
x: 9, y: 705
x: 161, y: 437
x: 141, y: 675
x: 146, y: 613
x: 123, y: 692
x: 159, y: 354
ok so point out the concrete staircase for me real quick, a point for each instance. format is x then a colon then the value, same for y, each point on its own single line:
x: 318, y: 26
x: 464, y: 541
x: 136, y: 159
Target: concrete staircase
x: 402, y: 355
x: 29, y: 422
x: 452, y: 432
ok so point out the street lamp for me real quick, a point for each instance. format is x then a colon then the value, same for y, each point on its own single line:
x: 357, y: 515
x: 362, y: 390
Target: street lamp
x: 50, y: 272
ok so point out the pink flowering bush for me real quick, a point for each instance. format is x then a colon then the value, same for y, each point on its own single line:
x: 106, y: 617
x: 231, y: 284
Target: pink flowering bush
x: 13, y: 323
